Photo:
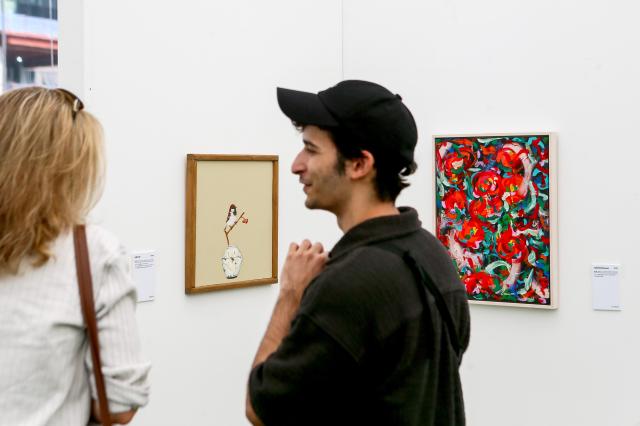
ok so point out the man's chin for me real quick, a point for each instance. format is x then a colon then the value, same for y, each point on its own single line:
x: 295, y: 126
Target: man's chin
x: 310, y: 204
x: 313, y: 204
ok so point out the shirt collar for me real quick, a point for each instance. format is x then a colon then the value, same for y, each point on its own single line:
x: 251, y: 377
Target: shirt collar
x: 377, y: 229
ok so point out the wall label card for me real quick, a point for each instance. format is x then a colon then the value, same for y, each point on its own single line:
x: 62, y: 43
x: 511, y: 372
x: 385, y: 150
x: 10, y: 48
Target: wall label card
x: 144, y: 274
x: 605, y: 280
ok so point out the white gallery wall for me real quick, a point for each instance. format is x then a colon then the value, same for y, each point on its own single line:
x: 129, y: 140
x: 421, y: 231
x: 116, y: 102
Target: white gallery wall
x: 171, y: 78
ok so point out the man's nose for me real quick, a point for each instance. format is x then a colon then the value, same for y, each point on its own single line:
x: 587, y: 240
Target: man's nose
x: 297, y: 166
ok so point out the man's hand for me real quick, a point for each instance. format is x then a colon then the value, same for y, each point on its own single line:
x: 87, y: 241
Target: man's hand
x: 304, y: 262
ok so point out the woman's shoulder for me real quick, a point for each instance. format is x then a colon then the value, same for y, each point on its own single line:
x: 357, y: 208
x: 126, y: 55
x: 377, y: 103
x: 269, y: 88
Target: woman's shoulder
x: 103, y: 244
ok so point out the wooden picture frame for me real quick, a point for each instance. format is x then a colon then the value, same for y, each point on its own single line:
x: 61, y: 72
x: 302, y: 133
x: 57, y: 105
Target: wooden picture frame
x: 231, y: 237
x: 496, y: 212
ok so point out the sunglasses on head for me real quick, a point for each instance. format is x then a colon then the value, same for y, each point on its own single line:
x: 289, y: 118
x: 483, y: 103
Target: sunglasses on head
x: 76, y: 103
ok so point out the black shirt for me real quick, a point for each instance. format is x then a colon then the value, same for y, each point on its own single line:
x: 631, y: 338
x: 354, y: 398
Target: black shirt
x: 363, y: 348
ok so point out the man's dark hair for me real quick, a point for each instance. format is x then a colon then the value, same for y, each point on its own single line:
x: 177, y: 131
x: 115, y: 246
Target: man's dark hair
x: 390, y: 179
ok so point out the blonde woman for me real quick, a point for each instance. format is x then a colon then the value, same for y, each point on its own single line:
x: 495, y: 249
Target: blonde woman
x: 51, y: 167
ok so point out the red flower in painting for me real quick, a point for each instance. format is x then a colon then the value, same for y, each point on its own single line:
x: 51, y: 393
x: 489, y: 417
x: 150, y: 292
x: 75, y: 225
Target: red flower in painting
x: 510, y: 188
x: 478, y: 282
x: 464, y: 147
x: 510, y: 247
x: 471, y: 234
x: 487, y: 183
x: 509, y: 159
x: 453, y: 200
x: 453, y: 165
x: 486, y: 208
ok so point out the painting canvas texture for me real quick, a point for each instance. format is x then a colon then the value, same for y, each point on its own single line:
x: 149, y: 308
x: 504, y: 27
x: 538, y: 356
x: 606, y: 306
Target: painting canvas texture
x: 233, y: 221
x: 492, y: 214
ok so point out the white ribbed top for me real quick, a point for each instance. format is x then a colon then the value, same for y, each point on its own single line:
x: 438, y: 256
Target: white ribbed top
x: 45, y: 361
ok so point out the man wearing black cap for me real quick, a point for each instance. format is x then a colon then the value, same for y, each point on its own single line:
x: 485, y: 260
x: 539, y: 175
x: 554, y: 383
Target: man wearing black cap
x: 374, y: 332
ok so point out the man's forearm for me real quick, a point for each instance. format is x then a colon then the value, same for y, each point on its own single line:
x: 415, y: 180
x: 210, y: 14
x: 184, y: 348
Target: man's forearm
x: 279, y: 325
x: 283, y: 313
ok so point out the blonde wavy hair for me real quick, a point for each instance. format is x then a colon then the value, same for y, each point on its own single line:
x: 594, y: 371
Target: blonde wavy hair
x: 51, y: 171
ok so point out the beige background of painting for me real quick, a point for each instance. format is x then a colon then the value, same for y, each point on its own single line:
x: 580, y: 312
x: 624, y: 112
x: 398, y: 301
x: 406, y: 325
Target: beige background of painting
x: 248, y: 185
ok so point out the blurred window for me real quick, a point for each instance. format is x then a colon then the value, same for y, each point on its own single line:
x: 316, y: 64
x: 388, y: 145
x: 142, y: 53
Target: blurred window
x: 29, y: 43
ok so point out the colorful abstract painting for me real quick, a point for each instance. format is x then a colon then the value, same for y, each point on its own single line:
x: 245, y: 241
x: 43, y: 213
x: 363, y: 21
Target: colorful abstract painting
x: 493, y: 200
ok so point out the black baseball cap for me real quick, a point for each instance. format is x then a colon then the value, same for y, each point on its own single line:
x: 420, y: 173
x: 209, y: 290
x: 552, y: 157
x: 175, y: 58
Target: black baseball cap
x: 368, y: 112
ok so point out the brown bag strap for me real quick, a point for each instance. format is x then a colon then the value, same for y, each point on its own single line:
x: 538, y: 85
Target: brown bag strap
x: 88, y: 310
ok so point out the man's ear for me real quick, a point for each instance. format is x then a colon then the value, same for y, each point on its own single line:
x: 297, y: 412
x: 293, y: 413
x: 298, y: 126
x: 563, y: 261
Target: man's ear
x: 361, y: 167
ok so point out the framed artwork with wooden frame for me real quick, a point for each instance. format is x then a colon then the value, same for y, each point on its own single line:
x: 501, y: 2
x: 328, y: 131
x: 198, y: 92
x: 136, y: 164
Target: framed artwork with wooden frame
x: 495, y: 211
x: 231, y: 221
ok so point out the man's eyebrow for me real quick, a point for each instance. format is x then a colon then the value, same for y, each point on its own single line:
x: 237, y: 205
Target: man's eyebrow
x: 309, y: 143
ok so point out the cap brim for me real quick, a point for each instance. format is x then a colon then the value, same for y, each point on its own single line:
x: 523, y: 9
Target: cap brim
x: 304, y: 108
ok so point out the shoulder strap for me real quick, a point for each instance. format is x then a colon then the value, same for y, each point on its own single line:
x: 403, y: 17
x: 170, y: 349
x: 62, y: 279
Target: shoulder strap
x: 429, y: 286
x: 88, y: 310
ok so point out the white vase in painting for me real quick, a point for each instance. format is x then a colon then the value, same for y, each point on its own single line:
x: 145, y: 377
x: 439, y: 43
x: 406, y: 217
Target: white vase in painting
x: 231, y: 262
